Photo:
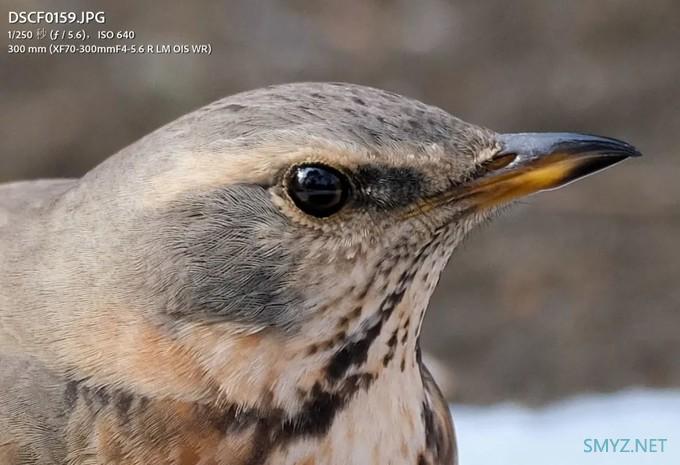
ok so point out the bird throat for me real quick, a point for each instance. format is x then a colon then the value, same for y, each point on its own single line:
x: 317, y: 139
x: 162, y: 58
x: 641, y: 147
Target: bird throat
x: 351, y: 390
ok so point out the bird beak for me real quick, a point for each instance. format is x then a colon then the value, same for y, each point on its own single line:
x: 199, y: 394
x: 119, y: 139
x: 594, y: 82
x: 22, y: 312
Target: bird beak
x: 533, y: 162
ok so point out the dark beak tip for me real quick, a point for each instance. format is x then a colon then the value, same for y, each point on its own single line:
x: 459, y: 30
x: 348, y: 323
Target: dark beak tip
x: 614, y: 147
x: 634, y: 152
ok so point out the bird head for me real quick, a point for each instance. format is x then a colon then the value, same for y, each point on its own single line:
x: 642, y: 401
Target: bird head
x: 291, y: 237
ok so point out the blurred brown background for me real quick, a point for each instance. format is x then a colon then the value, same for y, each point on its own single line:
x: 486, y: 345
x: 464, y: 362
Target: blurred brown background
x: 576, y: 290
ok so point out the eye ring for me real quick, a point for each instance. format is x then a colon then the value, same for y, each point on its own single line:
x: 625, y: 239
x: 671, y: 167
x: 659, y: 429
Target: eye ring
x: 317, y: 189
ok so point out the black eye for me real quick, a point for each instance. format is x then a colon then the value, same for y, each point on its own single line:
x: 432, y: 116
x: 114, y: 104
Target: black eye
x: 318, y: 190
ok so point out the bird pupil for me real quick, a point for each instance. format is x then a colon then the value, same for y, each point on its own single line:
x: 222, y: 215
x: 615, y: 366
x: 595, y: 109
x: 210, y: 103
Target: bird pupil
x: 318, y: 190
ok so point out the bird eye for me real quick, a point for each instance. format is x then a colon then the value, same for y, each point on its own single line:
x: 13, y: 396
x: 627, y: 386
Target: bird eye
x: 318, y: 190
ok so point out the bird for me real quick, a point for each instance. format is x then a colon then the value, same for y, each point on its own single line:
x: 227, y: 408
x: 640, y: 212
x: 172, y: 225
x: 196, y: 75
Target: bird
x: 246, y: 285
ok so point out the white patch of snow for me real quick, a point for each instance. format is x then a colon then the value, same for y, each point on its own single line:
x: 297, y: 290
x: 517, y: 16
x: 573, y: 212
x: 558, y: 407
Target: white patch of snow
x: 563, y: 433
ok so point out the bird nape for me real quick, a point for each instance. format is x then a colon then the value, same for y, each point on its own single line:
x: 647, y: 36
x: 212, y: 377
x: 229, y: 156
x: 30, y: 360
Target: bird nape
x: 246, y: 285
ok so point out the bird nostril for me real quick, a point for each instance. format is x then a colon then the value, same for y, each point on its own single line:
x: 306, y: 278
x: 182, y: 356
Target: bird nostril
x: 499, y: 161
